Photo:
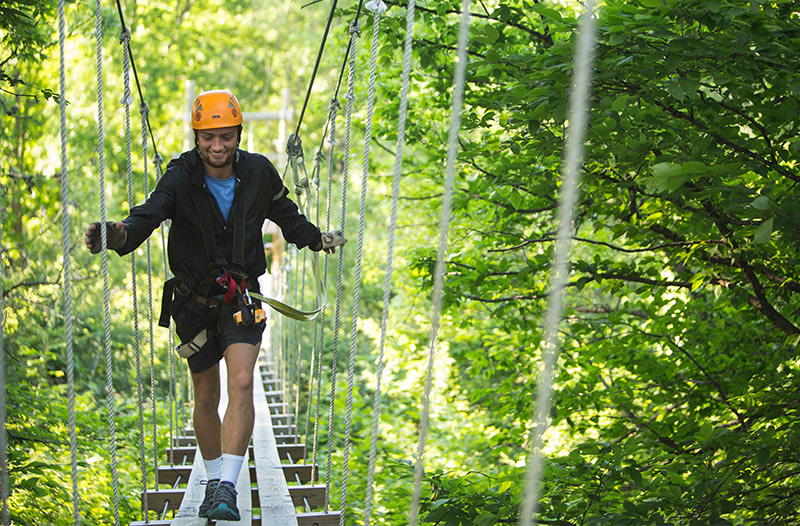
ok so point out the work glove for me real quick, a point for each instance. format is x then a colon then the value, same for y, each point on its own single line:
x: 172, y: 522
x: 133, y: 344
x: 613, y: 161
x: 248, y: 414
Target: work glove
x: 116, y: 235
x: 329, y: 241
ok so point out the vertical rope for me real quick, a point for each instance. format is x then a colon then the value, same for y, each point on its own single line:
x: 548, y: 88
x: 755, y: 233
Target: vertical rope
x: 387, y: 281
x: 144, y: 111
x: 444, y: 225
x: 355, y: 32
x: 66, y: 247
x: 378, y: 8
x: 127, y: 99
x: 336, y: 322
x: 4, y: 489
x: 332, y: 111
x: 577, y: 118
x: 104, y: 242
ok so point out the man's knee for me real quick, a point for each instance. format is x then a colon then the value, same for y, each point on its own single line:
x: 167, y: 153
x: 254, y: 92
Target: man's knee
x: 240, y: 385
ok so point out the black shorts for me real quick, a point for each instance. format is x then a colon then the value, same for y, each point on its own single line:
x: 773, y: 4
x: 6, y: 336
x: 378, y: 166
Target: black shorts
x: 191, y: 317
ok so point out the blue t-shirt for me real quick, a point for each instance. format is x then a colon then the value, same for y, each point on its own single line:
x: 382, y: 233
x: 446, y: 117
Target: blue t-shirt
x: 222, y: 189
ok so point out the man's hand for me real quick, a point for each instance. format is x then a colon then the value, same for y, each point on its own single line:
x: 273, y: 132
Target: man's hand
x: 329, y: 242
x: 116, y: 235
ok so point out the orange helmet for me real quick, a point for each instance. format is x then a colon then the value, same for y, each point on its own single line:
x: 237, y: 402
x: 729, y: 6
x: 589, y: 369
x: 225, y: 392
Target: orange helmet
x: 216, y: 109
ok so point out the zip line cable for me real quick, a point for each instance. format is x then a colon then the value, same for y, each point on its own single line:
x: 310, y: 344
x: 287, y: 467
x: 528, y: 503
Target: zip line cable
x: 316, y: 67
x: 66, y: 247
x: 444, y: 225
x: 573, y: 152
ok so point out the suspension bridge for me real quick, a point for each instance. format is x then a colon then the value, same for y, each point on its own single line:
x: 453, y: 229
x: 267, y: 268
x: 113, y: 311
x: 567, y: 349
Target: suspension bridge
x: 281, y: 483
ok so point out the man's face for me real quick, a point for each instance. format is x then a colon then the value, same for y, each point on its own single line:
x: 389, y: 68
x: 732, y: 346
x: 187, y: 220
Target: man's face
x: 218, y: 146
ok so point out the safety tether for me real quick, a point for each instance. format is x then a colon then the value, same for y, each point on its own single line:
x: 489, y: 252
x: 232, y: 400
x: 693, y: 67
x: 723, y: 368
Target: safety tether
x: 444, y: 225
x: 66, y: 247
x: 387, y: 281
x: 104, y: 244
x: 576, y: 132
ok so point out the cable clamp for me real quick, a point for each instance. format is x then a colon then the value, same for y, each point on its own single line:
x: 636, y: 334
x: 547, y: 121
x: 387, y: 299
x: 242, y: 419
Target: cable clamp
x: 376, y: 6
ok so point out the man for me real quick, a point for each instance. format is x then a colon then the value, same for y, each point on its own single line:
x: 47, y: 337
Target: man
x: 217, y: 197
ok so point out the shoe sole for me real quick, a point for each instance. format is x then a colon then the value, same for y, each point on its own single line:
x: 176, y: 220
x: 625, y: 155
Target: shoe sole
x: 224, y: 513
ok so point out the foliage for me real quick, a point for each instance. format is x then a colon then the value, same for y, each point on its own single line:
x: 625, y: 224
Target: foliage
x: 676, y: 398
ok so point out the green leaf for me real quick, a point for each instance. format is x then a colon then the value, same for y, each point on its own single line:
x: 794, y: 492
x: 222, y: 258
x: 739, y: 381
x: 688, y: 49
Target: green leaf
x: 761, y: 202
x: 764, y: 232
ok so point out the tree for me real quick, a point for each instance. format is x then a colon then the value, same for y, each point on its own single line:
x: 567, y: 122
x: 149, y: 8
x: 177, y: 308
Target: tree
x: 676, y: 400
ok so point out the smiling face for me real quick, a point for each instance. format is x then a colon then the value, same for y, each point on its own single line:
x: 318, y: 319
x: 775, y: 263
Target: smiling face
x: 217, y: 148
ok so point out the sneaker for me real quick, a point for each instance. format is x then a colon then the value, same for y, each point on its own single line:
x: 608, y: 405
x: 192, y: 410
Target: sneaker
x: 224, y: 507
x: 208, y: 500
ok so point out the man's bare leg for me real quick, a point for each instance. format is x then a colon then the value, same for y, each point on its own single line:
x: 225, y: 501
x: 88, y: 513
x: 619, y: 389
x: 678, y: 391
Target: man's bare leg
x: 207, y: 425
x: 237, y: 426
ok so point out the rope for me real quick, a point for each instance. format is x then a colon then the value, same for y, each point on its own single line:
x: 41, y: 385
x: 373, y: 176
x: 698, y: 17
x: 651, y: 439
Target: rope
x: 444, y: 225
x: 578, y: 115
x: 145, y: 111
x: 378, y: 8
x: 104, y: 242
x: 387, y: 282
x: 316, y: 348
x: 125, y: 37
x: 355, y: 31
x: 332, y: 111
x: 136, y: 76
x: 66, y: 247
x: 4, y: 515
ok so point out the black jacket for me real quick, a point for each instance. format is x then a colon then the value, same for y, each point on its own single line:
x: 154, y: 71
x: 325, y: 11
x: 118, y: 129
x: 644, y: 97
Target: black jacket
x: 182, y: 189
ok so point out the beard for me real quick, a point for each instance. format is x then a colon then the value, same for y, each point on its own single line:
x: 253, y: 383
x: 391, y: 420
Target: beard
x: 218, y: 163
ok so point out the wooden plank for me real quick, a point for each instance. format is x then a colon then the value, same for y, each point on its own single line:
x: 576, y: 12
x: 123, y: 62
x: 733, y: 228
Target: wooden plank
x: 282, y: 420
x: 300, y: 473
x: 318, y: 519
x: 315, y: 495
x: 186, y: 501
x: 157, y: 499
x: 273, y: 492
x: 169, y: 474
x: 185, y: 455
x: 291, y: 452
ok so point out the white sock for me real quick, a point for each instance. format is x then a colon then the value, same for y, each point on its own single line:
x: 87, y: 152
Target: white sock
x: 231, y: 465
x: 213, y: 468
